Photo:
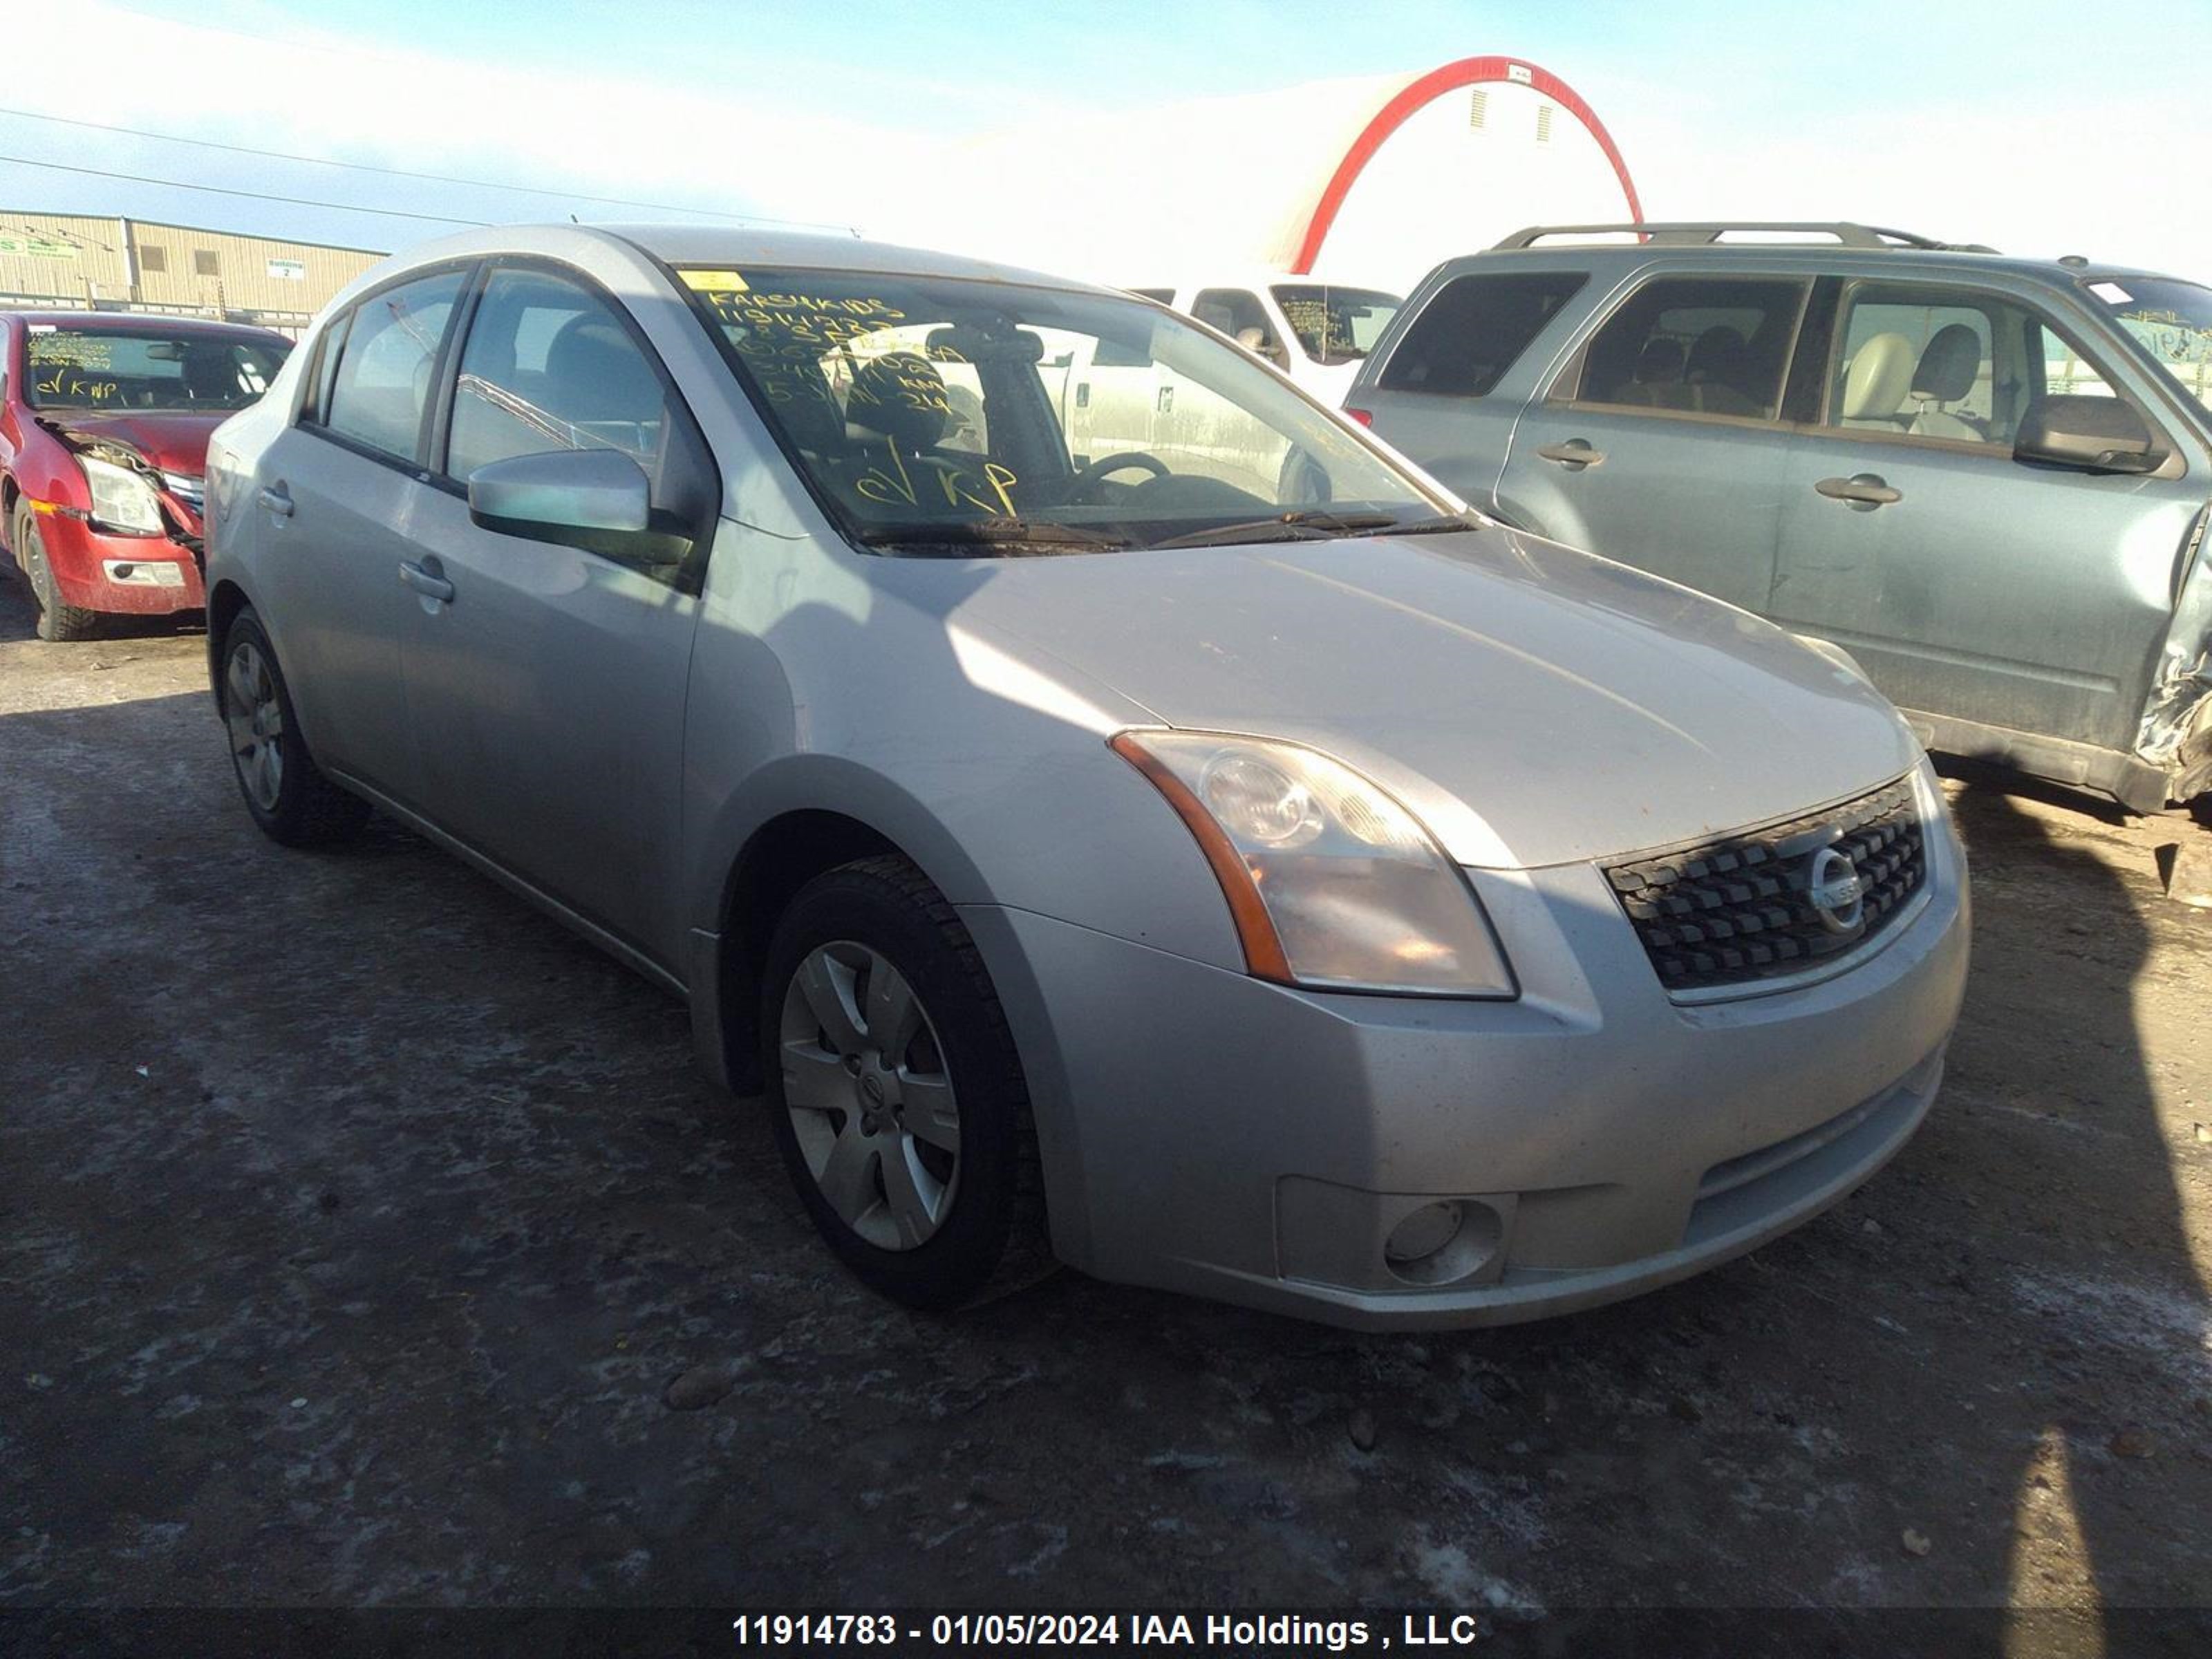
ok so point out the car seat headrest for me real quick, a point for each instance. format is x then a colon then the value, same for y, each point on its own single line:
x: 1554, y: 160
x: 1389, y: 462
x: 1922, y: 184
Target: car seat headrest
x: 1876, y: 382
x: 1947, y: 366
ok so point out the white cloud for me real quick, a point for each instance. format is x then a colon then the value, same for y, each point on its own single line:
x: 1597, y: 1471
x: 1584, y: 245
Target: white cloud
x: 594, y: 132
x: 2086, y: 177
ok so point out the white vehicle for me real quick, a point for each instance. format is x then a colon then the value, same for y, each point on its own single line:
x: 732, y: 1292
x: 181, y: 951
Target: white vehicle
x: 1316, y: 332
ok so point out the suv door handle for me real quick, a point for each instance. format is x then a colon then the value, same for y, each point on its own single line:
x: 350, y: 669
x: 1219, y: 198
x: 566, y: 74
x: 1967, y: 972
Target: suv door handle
x: 1862, y: 489
x: 424, y: 581
x: 278, y: 500
x: 1575, y: 454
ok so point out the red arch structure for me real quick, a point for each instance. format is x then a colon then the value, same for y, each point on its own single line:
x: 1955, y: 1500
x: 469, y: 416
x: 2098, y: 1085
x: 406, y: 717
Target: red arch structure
x: 1467, y: 72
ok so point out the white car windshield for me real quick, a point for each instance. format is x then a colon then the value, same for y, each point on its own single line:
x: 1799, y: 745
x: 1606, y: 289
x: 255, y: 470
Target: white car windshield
x: 943, y: 416
x: 2169, y: 321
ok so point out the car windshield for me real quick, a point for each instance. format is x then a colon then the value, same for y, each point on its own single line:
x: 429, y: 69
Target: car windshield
x: 955, y: 416
x: 111, y: 369
x: 2169, y: 322
x: 1336, y: 325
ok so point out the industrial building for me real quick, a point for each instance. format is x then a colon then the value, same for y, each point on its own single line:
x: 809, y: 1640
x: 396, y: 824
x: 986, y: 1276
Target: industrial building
x: 82, y: 261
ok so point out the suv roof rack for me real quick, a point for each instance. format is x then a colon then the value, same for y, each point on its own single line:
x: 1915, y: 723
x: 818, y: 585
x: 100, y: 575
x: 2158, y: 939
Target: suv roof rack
x: 1687, y: 233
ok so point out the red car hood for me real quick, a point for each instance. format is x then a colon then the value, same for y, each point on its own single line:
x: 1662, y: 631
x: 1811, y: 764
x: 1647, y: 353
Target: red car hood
x: 175, y: 441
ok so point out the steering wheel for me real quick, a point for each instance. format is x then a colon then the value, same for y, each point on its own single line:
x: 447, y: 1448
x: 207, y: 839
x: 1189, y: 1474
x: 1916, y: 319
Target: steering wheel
x: 1089, y: 477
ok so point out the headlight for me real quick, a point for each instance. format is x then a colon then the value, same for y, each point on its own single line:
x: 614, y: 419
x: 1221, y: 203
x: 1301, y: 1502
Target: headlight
x: 121, y: 500
x: 1333, y: 885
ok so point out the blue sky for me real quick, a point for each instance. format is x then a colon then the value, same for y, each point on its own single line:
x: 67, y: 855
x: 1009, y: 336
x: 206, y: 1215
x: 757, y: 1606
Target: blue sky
x: 1880, y: 110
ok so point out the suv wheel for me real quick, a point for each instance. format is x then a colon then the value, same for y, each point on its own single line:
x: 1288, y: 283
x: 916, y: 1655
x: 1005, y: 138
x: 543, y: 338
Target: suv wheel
x: 895, y: 1092
x: 290, y: 798
x: 57, y: 620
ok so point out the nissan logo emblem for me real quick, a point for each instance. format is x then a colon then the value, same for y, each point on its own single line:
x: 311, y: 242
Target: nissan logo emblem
x: 1838, y: 895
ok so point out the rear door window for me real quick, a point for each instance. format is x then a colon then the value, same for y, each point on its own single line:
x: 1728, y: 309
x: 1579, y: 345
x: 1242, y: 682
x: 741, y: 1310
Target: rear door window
x: 387, y: 367
x: 1695, y: 345
x: 1474, y: 328
x: 1239, y: 313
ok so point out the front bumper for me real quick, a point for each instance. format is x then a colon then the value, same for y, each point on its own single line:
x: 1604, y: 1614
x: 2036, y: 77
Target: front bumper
x: 146, y: 575
x: 1214, y: 1133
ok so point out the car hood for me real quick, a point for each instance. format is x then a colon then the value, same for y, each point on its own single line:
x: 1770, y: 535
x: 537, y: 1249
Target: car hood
x: 1533, y: 705
x: 173, y: 440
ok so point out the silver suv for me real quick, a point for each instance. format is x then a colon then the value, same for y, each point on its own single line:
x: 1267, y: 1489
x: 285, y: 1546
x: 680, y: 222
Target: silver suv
x: 1214, y: 856
x: 1985, y: 477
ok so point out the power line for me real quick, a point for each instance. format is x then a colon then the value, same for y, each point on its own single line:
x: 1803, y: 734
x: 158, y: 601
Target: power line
x: 253, y: 195
x: 402, y: 173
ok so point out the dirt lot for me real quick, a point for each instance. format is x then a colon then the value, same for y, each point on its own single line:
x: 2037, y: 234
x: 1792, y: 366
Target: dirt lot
x: 354, y: 1221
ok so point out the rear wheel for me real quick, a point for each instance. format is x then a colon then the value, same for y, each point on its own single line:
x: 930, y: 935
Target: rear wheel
x: 56, y: 620
x: 288, y: 795
x: 895, y: 1092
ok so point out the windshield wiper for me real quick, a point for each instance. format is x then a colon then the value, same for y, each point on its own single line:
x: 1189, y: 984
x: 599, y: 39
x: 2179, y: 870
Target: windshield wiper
x: 1449, y: 521
x: 1307, y: 526
x: 1000, y: 533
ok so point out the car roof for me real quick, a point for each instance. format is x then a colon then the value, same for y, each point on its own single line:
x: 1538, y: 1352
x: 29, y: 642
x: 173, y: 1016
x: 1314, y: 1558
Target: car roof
x: 728, y: 245
x: 1254, y: 277
x: 150, y: 322
x: 1624, y: 256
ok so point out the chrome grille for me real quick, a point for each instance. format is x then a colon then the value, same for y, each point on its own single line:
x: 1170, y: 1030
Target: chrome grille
x: 1739, y: 910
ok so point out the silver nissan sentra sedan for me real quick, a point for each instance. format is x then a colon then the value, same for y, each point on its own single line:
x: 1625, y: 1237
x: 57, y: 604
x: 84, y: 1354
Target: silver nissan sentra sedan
x: 1108, y: 805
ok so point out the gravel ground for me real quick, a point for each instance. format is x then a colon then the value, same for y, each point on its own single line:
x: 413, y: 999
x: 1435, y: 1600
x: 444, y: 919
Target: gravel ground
x: 355, y: 1221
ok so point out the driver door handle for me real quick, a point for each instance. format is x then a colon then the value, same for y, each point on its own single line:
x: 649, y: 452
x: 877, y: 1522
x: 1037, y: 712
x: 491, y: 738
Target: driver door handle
x: 1862, y: 489
x: 1575, y: 454
x: 278, y: 500
x: 425, y: 581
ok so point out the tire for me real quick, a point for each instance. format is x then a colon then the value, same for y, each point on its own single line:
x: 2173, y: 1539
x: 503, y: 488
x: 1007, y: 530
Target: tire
x: 57, y: 620
x: 932, y: 1219
x: 291, y: 801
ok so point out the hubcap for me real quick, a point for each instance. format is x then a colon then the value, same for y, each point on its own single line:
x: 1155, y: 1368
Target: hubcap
x: 256, y: 719
x: 870, y: 1100
x: 34, y: 566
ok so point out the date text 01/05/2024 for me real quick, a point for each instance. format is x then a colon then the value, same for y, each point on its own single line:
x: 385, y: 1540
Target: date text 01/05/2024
x: 964, y: 1630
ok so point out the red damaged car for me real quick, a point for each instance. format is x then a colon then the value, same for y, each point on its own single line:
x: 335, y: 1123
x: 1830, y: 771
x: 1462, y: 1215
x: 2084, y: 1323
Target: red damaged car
x: 103, y: 424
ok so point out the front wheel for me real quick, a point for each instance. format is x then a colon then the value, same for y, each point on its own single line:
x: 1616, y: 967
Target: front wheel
x: 290, y: 798
x: 894, y: 1090
x: 56, y: 620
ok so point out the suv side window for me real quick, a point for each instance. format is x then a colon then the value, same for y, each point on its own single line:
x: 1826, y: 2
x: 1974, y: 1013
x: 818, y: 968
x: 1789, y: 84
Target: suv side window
x: 1473, y: 329
x: 549, y: 365
x: 388, y: 364
x: 1695, y: 345
x: 1951, y: 365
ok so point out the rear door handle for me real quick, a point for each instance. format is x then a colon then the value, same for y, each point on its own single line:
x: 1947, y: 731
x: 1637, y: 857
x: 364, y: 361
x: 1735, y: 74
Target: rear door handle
x: 278, y: 500
x: 1862, y: 489
x: 426, y: 582
x: 1575, y: 454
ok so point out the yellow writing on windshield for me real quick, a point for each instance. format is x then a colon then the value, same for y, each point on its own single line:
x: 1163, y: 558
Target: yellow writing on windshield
x: 79, y: 350
x: 890, y: 486
x: 67, y: 384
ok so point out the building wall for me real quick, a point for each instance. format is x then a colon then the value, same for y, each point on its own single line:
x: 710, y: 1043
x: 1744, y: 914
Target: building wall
x: 65, y: 257
x: 70, y: 259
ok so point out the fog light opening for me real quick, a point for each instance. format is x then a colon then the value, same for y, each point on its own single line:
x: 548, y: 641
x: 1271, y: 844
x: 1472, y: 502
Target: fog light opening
x: 1443, y: 1243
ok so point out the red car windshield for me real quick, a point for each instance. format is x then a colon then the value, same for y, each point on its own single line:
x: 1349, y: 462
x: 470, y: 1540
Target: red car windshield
x: 105, y: 368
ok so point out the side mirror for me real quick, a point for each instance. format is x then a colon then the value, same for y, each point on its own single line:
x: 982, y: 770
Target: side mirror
x: 2090, y: 435
x: 595, y: 499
